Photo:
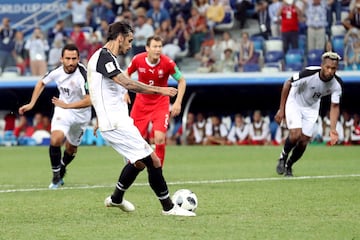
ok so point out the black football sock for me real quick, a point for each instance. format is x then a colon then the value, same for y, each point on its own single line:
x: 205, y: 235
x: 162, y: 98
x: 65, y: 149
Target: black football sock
x: 296, y: 154
x: 67, y: 158
x: 55, y: 157
x: 288, y: 146
x: 158, y: 184
x: 127, y: 177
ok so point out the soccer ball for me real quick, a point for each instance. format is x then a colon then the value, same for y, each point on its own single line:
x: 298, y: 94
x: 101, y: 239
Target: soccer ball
x: 186, y: 199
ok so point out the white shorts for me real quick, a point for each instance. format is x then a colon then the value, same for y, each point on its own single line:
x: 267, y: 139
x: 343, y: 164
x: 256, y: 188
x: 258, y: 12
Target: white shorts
x: 128, y: 142
x: 300, y: 117
x: 72, y: 127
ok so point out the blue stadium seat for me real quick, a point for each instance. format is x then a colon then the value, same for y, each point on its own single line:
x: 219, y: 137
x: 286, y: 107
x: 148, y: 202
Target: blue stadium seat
x: 314, y: 57
x: 251, y: 67
x: 293, y: 67
x: 273, y: 56
x: 258, y: 42
x: 302, y: 42
x: 294, y: 56
x: 338, y: 45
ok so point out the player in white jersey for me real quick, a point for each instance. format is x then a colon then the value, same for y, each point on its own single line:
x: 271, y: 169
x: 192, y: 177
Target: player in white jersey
x: 300, y: 104
x: 72, y: 111
x: 107, y: 87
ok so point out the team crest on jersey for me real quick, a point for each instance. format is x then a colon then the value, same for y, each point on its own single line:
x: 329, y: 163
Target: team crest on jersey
x: 161, y: 73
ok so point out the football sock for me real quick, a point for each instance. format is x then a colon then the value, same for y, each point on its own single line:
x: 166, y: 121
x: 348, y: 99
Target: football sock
x: 160, y: 152
x: 158, y: 184
x: 67, y: 158
x: 127, y: 177
x: 288, y: 146
x: 55, y: 158
x: 296, y: 154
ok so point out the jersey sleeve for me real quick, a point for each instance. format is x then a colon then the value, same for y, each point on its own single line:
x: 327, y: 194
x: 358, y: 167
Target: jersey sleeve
x: 132, y: 66
x: 107, y: 65
x: 173, y: 69
x: 336, y: 95
x: 49, y: 77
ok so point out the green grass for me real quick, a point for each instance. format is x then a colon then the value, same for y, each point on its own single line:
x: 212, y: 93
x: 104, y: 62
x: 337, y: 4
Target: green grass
x: 240, y: 195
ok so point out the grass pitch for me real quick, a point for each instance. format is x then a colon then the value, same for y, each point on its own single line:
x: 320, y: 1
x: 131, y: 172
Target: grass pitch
x: 240, y: 195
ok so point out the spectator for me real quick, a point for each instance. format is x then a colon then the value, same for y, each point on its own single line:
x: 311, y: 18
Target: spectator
x: 7, y: 44
x: 246, y: 51
x: 201, y: 6
x: 259, y: 133
x: 145, y: 4
x: 23, y: 128
x: 197, y: 27
x: 180, y: 8
x: 78, y: 10
x: 275, y: 20
x: 347, y: 122
x: 281, y: 134
x: 21, y: 54
x: 264, y: 19
x: 179, y: 36
x: 355, y: 130
x: 241, y: 11
x: 157, y: 14
x: 37, y: 46
x: 207, y: 60
x: 239, y: 132
x: 229, y: 63
x: 226, y: 42
x: 199, y: 128
x: 215, y: 14
x: 143, y: 30
x: 55, y: 55
x: 215, y: 131
x: 353, y: 19
x: 118, y: 7
x: 315, y: 12
x: 58, y: 32
x: 189, y: 134
x: 99, y: 10
x: 289, y: 14
x: 10, y: 121
x: 77, y: 37
x: 352, y: 49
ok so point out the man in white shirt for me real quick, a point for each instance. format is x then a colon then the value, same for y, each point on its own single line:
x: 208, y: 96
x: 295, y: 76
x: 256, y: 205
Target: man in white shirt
x: 108, y: 86
x: 300, y: 104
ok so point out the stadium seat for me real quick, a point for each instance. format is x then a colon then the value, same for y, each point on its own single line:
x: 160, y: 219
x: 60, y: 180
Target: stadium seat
x: 294, y: 56
x: 313, y: 57
x: 11, y: 71
x: 271, y: 67
x: 251, y: 67
x: 274, y: 44
x: 293, y: 67
x: 338, y: 45
x: 227, y: 23
x: 273, y: 56
x: 258, y: 44
x: 302, y: 42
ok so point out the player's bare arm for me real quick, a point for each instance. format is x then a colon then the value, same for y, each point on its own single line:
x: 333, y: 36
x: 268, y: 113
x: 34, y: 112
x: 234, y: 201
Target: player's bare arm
x: 280, y: 115
x: 176, y: 108
x: 39, y: 87
x: 85, y: 102
x: 334, y: 116
x: 140, y: 87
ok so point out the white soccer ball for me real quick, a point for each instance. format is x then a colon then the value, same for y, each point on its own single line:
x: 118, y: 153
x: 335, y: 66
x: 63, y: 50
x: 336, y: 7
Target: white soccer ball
x: 186, y: 199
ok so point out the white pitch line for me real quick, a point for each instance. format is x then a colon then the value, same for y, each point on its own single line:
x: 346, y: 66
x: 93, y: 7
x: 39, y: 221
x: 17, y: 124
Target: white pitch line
x: 186, y: 182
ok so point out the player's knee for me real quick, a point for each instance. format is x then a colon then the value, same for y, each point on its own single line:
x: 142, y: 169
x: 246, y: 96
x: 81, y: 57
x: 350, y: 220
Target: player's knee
x: 139, y: 165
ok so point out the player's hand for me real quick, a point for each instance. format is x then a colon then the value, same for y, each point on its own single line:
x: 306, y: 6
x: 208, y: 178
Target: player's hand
x: 168, y: 91
x: 175, y: 109
x: 127, y: 98
x: 24, y: 108
x: 280, y: 115
x: 334, y: 137
x: 59, y: 103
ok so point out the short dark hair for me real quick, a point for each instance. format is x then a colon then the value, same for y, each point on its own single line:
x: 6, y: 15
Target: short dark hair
x: 70, y: 47
x: 156, y: 38
x: 122, y: 27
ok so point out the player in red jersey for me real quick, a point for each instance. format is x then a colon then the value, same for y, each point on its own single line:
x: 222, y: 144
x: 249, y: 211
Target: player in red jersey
x: 154, y: 68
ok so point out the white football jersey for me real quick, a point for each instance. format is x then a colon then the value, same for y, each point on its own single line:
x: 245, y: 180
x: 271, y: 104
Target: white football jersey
x: 72, y: 88
x: 107, y: 96
x: 307, y: 88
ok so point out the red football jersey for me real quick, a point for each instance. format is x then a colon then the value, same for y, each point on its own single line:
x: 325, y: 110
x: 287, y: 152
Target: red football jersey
x: 152, y: 74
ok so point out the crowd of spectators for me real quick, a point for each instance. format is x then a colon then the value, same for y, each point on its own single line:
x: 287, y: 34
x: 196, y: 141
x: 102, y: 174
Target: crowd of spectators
x: 256, y: 128
x: 189, y: 26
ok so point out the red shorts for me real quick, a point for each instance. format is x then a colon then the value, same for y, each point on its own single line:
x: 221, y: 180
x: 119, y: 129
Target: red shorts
x: 143, y: 115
